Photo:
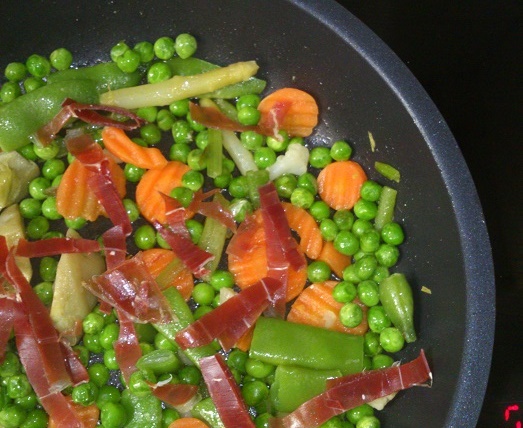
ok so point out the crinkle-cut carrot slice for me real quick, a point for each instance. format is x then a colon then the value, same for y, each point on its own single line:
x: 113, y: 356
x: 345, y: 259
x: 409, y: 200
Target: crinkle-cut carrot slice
x: 336, y: 261
x: 311, y: 241
x: 120, y: 145
x: 74, y: 197
x: 339, y: 184
x: 157, y: 260
x: 316, y: 306
x: 289, y: 109
x: 153, y: 183
x: 188, y: 423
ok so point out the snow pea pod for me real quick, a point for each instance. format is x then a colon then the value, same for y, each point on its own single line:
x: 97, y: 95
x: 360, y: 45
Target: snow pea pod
x: 106, y: 76
x: 142, y: 411
x: 23, y: 116
x: 396, y: 298
x: 281, y: 342
x: 206, y: 411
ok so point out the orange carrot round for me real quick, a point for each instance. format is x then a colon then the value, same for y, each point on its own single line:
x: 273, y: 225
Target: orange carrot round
x: 336, y: 261
x: 188, y: 423
x: 316, y: 306
x: 339, y: 184
x: 158, y: 259
x: 120, y: 145
x: 311, y: 241
x: 289, y: 109
x: 74, y: 198
x: 155, y: 182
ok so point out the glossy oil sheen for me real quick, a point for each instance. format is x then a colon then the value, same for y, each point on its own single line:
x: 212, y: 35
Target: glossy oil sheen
x: 361, y: 86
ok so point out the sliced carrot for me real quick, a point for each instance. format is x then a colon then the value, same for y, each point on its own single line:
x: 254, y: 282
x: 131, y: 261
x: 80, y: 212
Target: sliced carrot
x: 336, y: 261
x: 158, y: 261
x: 74, y: 198
x: 316, y: 306
x: 290, y: 109
x: 251, y: 266
x: 244, y: 342
x: 88, y: 414
x: 188, y: 423
x: 155, y: 182
x: 339, y: 184
x: 120, y: 145
x: 311, y: 241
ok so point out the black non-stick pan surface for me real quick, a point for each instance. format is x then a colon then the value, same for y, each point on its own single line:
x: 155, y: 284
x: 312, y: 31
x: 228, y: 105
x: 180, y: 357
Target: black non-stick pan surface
x: 361, y: 86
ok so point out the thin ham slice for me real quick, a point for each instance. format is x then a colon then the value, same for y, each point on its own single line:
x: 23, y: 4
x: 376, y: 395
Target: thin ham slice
x: 55, y: 246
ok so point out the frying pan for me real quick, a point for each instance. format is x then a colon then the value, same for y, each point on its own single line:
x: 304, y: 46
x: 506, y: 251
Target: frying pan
x: 360, y: 86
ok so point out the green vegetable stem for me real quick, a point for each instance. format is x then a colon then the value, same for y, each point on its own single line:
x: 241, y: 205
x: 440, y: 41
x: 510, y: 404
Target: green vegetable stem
x: 281, y: 342
x: 396, y: 298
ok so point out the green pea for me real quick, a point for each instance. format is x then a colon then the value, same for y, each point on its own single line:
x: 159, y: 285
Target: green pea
x: 145, y: 50
x: 334, y: 422
x: 148, y: 114
x: 320, y: 157
x: 36, y: 418
x: 329, y: 230
x: 344, y: 292
x: 30, y: 208
x: 240, y: 208
x: 165, y: 119
x: 308, y: 181
x: 179, y: 152
x: 93, y: 323
x: 249, y: 116
x: 163, y: 342
x: 195, y: 229
x: 183, y: 195
x: 344, y: 219
x: 190, y: 375
x: 10, y: 366
x: 280, y: 143
x: 83, y: 354
x: 185, y: 45
x: 318, y: 271
x: 262, y: 420
x: 113, y: 415
x: 368, y: 293
x: 150, y: 133
x: 52, y: 168
x: 138, y: 384
x: 252, y: 140
x: 12, y: 416
x: 392, y: 233
x: 387, y: 255
x: 169, y: 415
x: 370, y: 241
x: 371, y: 191
x: 164, y: 48
x: 110, y: 359
x: 15, y: 71
x: 264, y: 157
x: 49, y: 209
x: 346, y: 243
x: 380, y: 274
x: 359, y: 412
x: 258, y: 369
x: 237, y: 359
x: 319, y: 210
x: 179, y: 108
x: 371, y: 344
x: 92, y: 343
x: 361, y: 226
x: 61, y: 58
x: 18, y: 386
x: 131, y: 209
x: 158, y: 72
x: 223, y: 180
x: 365, y: 210
x: 38, y: 187
x: 28, y: 152
x: 349, y: 274
x: 302, y: 198
x: 145, y: 237
x: 85, y: 393
x: 382, y: 361
x: 47, y: 152
x: 193, y: 180
x: 109, y: 335
x: 378, y: 319
x: 365, y: 267
x: 248, y: 100
x: 341, y: 151
x: 203, y: 293
x: 391, y: 339
x: 351, y: 315
x: 32, y: 83
x: 47, y: 268
x: 118, y: 50
x: 197, y: 160
x: 254, y: 392
x: 221, y: 279
x: 10, y: 91
x: 38, y: 65
x: 368, y: 422
x: 98, y: 374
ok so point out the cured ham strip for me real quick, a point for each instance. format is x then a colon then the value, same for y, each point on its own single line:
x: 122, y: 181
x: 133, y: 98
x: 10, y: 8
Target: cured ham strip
x: 74, y: 366
x: 231, y: 320
x: 174, y: 394
x: 127, y: 348
x: 55, y: 246
x: 7, y: 315
x: 225, y: 392
x: 354, y: 390
x: 214, y: 118
x: 130, y: 288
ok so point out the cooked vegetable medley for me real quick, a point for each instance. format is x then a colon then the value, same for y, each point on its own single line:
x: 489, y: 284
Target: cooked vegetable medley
x: 174, y: 253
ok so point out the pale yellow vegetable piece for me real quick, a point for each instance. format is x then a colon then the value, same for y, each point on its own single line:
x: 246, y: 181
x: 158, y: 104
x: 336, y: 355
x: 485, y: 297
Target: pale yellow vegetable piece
x: 179, y: 87
x: 71, y: 301
x: 12, y: 227
x: 15, y: 174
